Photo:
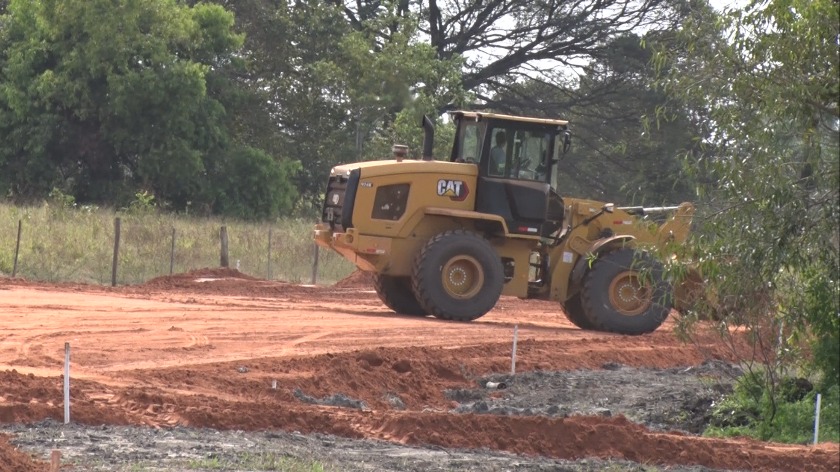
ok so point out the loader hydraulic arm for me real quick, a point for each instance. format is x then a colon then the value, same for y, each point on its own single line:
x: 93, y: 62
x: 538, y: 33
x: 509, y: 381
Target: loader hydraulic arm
x: 676, y: 229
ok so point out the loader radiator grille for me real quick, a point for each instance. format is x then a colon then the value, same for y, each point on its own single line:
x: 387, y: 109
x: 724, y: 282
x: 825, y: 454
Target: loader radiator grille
x: 339, y: 199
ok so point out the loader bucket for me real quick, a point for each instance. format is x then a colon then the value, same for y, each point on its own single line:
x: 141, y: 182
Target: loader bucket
x: 689, y: 291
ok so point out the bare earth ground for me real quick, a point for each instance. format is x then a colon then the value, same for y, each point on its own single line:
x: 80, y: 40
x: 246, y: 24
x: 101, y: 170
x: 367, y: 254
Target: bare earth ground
x: 213, y: 367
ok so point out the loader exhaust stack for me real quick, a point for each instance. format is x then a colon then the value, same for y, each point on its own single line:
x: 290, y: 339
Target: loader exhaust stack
x: 428, y: 138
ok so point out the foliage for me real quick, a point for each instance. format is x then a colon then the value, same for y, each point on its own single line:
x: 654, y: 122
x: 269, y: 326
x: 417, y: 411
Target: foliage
x: 144, y: 202
x: 248, y: 183
x: 751, y: 411
x: 102, y: 98
x: 346, y: 80
x: 339, y: 90
x: 105, y: 99
x: 763, y: 82
x: 263, y: 460
x: 620, y: 152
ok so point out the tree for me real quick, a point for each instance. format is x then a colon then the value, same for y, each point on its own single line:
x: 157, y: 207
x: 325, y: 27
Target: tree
x: 504, y: 42
x: 103, y: 98
x: 621, y: 153
x: 764, y: 81
x: 348, y: 78
x: 336, y: 88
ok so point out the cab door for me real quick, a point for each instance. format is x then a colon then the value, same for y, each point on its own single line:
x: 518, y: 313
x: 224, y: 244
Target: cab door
x: 514, y: 176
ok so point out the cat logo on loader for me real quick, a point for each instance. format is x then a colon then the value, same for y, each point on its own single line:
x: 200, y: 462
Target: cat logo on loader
x: 456, y: 190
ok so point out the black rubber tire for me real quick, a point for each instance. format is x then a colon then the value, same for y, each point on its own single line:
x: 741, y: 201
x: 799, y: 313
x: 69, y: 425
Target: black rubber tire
x: 396, y: 294
x: 604, y: 290
x: 573, y: 309
x: 440, y: 252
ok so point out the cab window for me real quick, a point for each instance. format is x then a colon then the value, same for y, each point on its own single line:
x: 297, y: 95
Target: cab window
x: 470, y: 137
x: 519, y: 154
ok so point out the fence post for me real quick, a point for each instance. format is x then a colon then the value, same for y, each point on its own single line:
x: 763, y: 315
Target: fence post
x: 116, y: 251
x: 223, y: 256
x: 17, y: 249
x: 315, y: 266
x: 172, y: 253
x: 268, y: 268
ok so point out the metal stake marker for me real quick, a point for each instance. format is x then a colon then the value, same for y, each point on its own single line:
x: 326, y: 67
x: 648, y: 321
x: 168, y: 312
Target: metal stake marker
x: 513, y: 354
x: 817, y: 420
x: 66, y: 383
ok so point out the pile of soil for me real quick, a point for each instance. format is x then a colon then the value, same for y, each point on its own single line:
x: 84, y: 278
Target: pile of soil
x: 188, y: 278
x: 220, y: 281
x: 358, y: 279
x: 13, y: 460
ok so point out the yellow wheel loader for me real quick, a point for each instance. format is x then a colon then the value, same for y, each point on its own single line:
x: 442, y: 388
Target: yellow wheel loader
x: 447, y: 238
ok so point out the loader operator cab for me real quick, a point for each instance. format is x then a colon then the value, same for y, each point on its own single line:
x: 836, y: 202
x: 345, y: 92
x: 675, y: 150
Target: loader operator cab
x: 517, y: 167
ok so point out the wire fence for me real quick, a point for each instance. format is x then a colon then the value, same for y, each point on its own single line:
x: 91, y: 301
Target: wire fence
x: 70, y: 245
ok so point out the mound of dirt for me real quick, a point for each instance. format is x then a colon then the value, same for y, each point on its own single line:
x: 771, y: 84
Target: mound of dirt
x: 13, y: 460
x: 358, y: 279
x: 29, y: 398
x: 188, y: 278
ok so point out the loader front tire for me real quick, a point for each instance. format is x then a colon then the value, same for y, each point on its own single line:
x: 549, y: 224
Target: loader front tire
x: 396, y: 294
x: 573, y: 309
x: 625, y: 292
x: 457, y: 276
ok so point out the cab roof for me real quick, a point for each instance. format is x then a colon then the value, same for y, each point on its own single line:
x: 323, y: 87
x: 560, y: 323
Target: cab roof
x: 478, y: 116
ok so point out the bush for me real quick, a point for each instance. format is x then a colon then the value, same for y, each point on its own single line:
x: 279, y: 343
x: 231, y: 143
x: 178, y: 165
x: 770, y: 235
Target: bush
x: 786, y: 415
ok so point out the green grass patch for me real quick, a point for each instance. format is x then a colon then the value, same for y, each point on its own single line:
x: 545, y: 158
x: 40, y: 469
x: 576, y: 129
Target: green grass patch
x: 64, y: 242
x: 263, y: 460
x: 749, y: 412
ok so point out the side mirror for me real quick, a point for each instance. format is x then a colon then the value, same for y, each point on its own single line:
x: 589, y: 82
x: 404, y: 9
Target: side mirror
x: 567, y: 141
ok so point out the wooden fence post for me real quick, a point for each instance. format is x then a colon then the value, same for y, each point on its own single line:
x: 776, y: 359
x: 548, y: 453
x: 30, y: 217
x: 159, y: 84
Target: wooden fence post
x: 315, y: 266
x: 172, y: 253
x: 17, y: 249
x: 116, y: 251
x: 223, y: 256
x: 268, y: 268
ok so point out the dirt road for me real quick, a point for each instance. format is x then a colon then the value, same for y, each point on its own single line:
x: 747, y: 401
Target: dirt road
x: 216, y: 349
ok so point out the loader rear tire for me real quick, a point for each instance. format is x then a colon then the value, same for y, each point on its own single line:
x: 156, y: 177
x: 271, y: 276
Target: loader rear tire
x: 457, y: 276
x: 396, y: 294
x: 573, y: 308
x: 625, y: 292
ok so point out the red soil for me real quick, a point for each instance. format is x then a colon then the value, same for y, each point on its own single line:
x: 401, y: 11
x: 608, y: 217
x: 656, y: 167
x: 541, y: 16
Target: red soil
x: 12, y: 460
x: 185, y: 350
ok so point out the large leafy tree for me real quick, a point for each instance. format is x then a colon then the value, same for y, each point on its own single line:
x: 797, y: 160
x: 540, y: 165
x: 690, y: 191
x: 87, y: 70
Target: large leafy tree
x: 504, y: 42
x: 338, y: 89
x: 103, y: 98
x: 622, y: 152
x: 347, y: 78
x: 764, y: 80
